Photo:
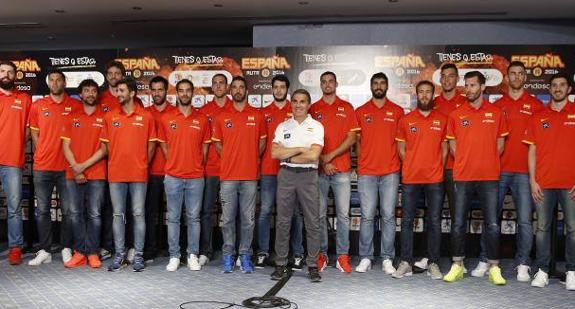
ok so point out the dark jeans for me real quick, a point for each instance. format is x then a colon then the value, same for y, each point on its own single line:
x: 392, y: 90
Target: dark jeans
x: 211, y: 190
x: 107, y: 233
x: 154, y: 212
x: 487, y: 193
x: 86, y: 201
x: 433, y: 193
x: 44, y: 183
x: 448, y: 186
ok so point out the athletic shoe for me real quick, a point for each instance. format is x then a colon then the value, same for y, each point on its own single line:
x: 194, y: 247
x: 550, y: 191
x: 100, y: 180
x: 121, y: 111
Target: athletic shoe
x: 570, y: 280
x: 228, y: 263
x: 480, y: 270
x: 404, y: 270
x: 523, y: 273
x: 173, y: 264
x: 261, y: 260
x: 298, y: 262
x: 118, y: 263
x: 204, y: 259
x: 94, y: 261
x: 540, y: 280
x: 434, y: 272
x: 313, y: 274
x: 77, y: 260
x: 421, y: 263
x: 42, y: 257
x: 495, y: 276
x: 280, y: 273
x: 321, y: 261
x: 138, y: 264
x: 387, y: 267
x: 454, y: 274
x: 343, y: 263
x: 363, y: 266
x: 15, y: 256
x: 105, y: 254
x: 246, y: 264
x: 194, y: 263
x: 66, y: 255
x: 130, y: 255
x: 238, y: 262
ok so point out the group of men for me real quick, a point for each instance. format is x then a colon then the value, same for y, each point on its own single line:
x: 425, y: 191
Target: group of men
x: 451, y: 144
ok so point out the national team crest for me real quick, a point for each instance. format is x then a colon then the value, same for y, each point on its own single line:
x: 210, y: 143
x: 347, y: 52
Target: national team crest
x: 76, y: 124
x: 46, y: 113
x: 465, y: 122
x: 319, y: 116
x: 116, y: 124
x: 545, y: 125
x: 173, y: 126
x: 368, y: 118
x: 413, y: 129
x: 229, y: 124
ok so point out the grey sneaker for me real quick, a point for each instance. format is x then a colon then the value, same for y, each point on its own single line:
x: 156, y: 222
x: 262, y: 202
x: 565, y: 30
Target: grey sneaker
x: 403, y: 270
x: 434, y: 272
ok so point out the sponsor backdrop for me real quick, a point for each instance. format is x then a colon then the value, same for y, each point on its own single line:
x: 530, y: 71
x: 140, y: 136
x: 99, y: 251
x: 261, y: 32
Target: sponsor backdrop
x: 354, y: 65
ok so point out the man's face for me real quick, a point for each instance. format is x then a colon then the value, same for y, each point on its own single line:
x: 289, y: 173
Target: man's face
x: 328, y: 84
x: 425, y: 97
x: 7, y: 77
x: 158, y: 92
x: 238, y: 91
x: 124, y: 94
x: 473, y: 89
x: 184, y: 93
x: 279, y: 90
x: 379, y: 88
x: 219, y: 86
x: 448, y: 79
x: 113, y: 76
x: 559, y: 89
x: 517, y: 77
x: 300, y: 105
x: 56, y: 83
x: 89, y: 95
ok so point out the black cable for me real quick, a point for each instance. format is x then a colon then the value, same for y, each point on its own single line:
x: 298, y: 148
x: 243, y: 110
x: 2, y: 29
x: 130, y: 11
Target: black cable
x: 254, y: 302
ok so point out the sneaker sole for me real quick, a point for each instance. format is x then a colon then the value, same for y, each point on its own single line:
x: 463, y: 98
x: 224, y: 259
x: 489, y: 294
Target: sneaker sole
x: 434, y: 278
x: 404, y: 275
x: 118, y: 269
x: 341, y: 269
x: 138, y: 270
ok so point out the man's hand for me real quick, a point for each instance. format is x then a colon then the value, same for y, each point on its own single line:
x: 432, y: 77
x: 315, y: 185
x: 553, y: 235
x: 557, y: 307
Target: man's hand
x: 536, y: 192
x: 80, y: 179
x: 78, y: 168
x: 329, y: 169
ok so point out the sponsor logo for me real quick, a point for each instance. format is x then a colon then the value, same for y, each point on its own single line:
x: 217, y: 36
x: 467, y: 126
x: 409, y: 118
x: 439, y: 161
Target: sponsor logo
x: 436, y: 122
x: 287, y: 135
x: 251, y: 118
x: 489, y: 115
x: 209, y: 59
x: 139, y: 118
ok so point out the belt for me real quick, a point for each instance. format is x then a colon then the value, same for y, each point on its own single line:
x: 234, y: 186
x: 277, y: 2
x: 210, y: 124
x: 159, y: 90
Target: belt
x: 299, y: 169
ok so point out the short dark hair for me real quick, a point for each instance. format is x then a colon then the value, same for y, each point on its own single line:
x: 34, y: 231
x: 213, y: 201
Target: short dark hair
x: 281, y: 78
x: 477, y: 74
x: 561, y: 75
x: 220, y: 75
x: 240, y: 78
x: 379, y: 75
x: 88, y: 83
x: 116, y: 64
x: 184, y: 81
x: 304, y: 92
x: 447, y: 66
x: 425, y: 82
x: 130, y: 83
x: 159, y: 79
x: 516, y: 64
x: 9, y: 63
x: 57, y: 71
x: 328, y: 73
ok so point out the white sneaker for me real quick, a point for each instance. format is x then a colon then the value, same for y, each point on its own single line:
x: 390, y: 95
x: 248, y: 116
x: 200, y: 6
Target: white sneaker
x: 203, y: 260
x: 364, y: 265
x: 403, y: 270
x: 434, y: 272
x: 66, y: 255
x: 570, y: 281
x: 387, y: 267
x: 194, y: 262
x: 480, y: 270
x: 130, y: 255
x: 523, y: 273
x: 238, y: 262
x: 540, y: 280
x: 174, y: 264
x: 105, y: 254
x: 421, y: 263
x: 42, y: 257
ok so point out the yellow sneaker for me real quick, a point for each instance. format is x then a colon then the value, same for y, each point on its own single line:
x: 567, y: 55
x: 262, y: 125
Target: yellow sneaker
x: 495, y: 276
x: 454, y: 274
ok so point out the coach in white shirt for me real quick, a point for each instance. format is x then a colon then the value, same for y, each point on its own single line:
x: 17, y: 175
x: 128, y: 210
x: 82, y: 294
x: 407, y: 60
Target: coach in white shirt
x: 298, y: 142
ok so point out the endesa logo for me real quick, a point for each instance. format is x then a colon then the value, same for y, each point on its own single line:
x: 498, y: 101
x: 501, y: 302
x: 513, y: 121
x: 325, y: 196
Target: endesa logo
x: 259, y: 63
x: 406, y: 61
x: 145, y: 63
x: 547, y: 61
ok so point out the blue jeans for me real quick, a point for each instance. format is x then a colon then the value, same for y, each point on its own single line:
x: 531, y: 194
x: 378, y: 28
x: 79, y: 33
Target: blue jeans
x: 521, y: 192
x: 119, y: 193
x: 268, y: 188
x: 340, y: 184
x: 87, y: 199
x: 190, y: 192
x: 545, y: 212
x: 11, y: 178
x: 369, y: 187
x: 44, y: 183
x: 433, y: 193
x: 211, y: 189
x: 488, y: 193
x: 238, y: 194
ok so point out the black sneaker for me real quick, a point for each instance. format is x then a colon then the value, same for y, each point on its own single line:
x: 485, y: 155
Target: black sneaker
x: 280, y: 273
x: 313, y: 274
x: 261, y: 260
x: 298, y: 262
